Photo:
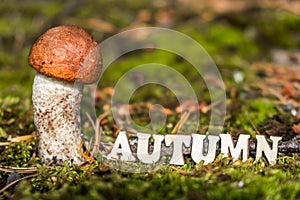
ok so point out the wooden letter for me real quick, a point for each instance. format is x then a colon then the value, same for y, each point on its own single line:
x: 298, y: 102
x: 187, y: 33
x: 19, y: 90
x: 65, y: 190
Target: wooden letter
x: 198, y: 151
x: 235, y: 152
x: 142, y: 148
x: 121, y: 149
x: 178, y: 142
x: 263, y: 146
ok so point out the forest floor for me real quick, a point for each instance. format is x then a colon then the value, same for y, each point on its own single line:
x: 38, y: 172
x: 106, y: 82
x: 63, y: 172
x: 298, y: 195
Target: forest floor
x: 255, y: 46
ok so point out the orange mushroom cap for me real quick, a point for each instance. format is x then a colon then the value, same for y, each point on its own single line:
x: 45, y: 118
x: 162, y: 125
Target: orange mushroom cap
x: 68, y: 53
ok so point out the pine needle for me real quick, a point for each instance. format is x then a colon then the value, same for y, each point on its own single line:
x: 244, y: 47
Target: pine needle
x: 180, y: 123
x: 16, y: 181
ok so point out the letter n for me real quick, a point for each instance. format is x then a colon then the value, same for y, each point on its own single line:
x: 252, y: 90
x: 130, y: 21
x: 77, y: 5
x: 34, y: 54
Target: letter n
x: 263, y: 146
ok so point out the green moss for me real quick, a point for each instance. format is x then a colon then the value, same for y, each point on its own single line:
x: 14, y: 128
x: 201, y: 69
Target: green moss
x: 255, y: 110
x: 222, y: 179
x: 226, y: 44
x: 15, y: 119
x: 21, y: 154
x: 287, y: 26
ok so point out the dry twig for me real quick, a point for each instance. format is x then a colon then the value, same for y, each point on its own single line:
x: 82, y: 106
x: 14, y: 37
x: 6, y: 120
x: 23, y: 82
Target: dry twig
x: 18, y: 139
x: 252, y: 123
x: 182, y: 120
x: 180, y: 171
x: 16, y: 181
x: 20, y: 170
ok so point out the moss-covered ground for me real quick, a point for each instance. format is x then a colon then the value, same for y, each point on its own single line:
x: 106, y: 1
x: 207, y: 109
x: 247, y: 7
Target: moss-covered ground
x: 256, y: 48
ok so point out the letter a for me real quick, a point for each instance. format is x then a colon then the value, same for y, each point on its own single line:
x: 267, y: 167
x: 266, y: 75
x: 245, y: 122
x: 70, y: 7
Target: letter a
x: 121, y: 149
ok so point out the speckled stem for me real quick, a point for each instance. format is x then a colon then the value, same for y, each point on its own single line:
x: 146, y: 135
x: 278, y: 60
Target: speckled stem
x: 56, y: 107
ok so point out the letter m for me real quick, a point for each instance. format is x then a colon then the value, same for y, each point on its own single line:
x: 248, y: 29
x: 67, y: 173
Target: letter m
x: 242, y: 145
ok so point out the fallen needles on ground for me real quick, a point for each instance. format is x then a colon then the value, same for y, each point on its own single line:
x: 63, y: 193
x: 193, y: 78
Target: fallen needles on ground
x: 180, y: 171
x: 16, y: 181
x: 21, y: 170
x: 18, y: 139
x: 182, y: 120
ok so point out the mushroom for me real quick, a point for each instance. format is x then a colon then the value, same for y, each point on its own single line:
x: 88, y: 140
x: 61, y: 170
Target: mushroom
x: 66, y: 58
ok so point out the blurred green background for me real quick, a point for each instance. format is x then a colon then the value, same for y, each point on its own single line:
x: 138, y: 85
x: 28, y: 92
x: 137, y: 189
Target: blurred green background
x: 235, y: 35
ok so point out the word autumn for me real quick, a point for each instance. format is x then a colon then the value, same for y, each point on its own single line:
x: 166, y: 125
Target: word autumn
x: 203, y: 148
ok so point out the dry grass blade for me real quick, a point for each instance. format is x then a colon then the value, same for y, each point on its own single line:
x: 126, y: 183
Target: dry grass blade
x: 20, y: 170
x: 207, y: 108
x: 18, y: 139
x: 180, y: 171
x: 91, y: 120
x: 98, y: 130
x: 182, y: 120
x: 252, y: 123
x: 22, y: 138
x: 97, y: 140
x: 5, y: 143
x: 281, y: 98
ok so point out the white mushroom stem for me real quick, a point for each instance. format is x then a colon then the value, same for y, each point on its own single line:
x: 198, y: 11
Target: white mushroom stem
x: 56, y: 107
